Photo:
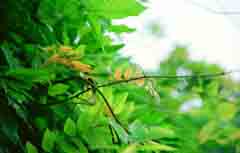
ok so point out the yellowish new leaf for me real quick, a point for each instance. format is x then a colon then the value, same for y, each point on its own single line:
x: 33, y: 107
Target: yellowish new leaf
x: 118, y: 74
x: 77, y: 65
x: 65, y: 48
x: 139, y: 82
x: 127, y: 73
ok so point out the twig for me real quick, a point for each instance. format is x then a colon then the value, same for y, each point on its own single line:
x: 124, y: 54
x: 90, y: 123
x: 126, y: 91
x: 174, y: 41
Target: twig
x: 197, y: 76
x: 107, y: 104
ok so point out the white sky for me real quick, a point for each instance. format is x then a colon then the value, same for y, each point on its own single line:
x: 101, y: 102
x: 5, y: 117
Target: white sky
x: 211, y: 37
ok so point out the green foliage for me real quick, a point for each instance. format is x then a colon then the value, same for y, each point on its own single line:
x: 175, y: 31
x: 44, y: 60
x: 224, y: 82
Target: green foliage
x: 70, y: 127
x: 57, y: 89
x: 56, y: 54
x: 31, y: 148
x: 48, y: 140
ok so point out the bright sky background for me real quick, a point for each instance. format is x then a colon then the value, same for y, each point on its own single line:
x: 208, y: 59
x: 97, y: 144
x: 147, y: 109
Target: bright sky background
x: 209, y: 36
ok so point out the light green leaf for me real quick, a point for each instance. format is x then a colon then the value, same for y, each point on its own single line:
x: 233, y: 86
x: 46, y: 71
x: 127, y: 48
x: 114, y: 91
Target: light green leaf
x: 212, y: 89
x: 120, y: 100
x: 70, y: 127
x: 120, y: 131
x: 120, y: 29
x: 114, y: 9
x: 207, y: 131
x: 83, y: 122
x: 108, y: 92
x: 138, y: 131
x: 226, y: 111
x: 57, y: 89
x: 31, y: 148
x: 130, y: 149
x: 48, y: 141
x: 156, y: 147
x: 159, y: 132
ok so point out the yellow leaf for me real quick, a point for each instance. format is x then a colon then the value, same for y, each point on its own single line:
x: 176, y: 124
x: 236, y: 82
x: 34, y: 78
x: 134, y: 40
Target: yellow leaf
x: 128, y: 73
x: 65, y: 48
x: 57, y: 59
x: 77, y: 65
x: 54, y: 58
x: 64, y: 61
x: 117, y: 74
x: 48, y: 48
x: 139, y: 82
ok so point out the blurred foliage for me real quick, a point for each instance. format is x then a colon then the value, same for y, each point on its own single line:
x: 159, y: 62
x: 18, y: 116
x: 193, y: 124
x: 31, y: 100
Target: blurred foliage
x: 53, y: 50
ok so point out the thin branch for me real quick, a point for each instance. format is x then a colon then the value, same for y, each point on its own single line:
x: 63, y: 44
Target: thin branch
x: 196, y: 76
x: 68, y: 100
x: 107, y: 104
x: 111, y: 111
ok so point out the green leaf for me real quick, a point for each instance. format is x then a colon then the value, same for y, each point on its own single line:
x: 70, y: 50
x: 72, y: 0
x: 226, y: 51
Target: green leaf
x: 32, y: 75
x: 159, y: 132
x: 8, y: 123
x: 83, y: 122
x: 41, y: 123
x: 130, y: 149
x: 207, y: 131
x: 48, y: 141
x: 120, y: 131
x: 81, y: 147
x: 8, y: 54
x: 31, y: 148
x: 67, y: 147
x: 156, y: 147
x: 212, y: 88
x: 108, y: 92
x: 138, y: 131
x: 98, y: 137
x: 120, y: 102
x: 57, y: 89
x: 226, y: 111
x: 114, y: 9
x: 120, y: 29
x: 52, y: 11
x: 70, y: 127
